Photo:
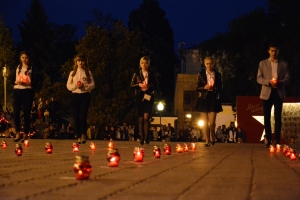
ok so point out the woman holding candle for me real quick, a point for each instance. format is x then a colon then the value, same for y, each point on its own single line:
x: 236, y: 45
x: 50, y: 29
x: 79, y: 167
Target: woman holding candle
x: 145, y: 84
x: 80, y: 82
x: 209, y: 85
x: 23, y: 95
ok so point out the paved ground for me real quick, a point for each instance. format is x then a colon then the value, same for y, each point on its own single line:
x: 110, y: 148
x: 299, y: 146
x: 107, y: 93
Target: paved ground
x: 222, y: 171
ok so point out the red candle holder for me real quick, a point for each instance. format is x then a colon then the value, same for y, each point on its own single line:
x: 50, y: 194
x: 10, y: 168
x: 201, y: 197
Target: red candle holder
x: 287, y: 152
x: 272, y: 149
x: 82, y: 168
x: 193, y: 146
x: 3, y: 144
x: 75, y: 147
x: 93, y: 146
x: 18, y: 150
x: 26, y: 143
x: 284, y: 148
x: 278, y: 147
x: 113, y: 157
x: 48, y: 148
x: 293, y: 154
x: 185, y: 147
x: 138, y: 154
x: 167, y: 149
x: 179, y: 148
x: 111, y: 144
x: 156, y: 152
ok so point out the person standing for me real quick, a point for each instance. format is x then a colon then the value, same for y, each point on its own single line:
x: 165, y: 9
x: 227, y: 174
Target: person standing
x: 23, y: 95
x: 80, y: 83
x: 273, y: 75
x: 144, y: 82
x: 209, y: 85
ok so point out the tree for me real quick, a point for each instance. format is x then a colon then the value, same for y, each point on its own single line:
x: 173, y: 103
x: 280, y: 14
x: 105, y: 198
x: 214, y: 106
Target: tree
x: 158, y: 42
x: 37, y: 38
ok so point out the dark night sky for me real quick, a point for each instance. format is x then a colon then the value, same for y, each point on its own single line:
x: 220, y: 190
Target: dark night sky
x: 193, y: 21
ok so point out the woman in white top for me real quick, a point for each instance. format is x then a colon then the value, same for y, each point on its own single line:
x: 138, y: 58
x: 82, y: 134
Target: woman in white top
x: 22, y: 95
x: 80, y: 82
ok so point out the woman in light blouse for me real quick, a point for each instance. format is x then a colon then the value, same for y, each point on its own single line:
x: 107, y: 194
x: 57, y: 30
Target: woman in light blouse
x: 80, y: 82
x: 209, y: 86
x: 23, y: 95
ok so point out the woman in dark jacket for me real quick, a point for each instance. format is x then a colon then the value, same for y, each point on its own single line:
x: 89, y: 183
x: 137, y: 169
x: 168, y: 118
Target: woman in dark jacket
x: 144, y: 82
x: 209, y: 86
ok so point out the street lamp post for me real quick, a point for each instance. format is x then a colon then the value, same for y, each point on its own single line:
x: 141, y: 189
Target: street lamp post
x: 160, y: 107
x: 5, y: 77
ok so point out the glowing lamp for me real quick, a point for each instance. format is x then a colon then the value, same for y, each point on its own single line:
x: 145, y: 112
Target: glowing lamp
x: 272, y: 149
x: 113, y: 157
x: 111, y: 144
x: 193, y: 146
x: 3, y: 144
x: 185, y: 147
x: 18, y: 150
x: 284, y: 148
x: 138, y: 154
x: 293, y: 154
x: 278, y: 147
x: 93, y: 146
x: 179, y: 148
x: 75, y: 147
x: 287, y: 152
x: 167, y: 149
x: 48, y: 148
x: 156, y: 152
x: 82, y: 168
x: 26, y: 143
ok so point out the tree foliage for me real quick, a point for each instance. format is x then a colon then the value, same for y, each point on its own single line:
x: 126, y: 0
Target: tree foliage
x: 157, y: 38
x: 37, y: 38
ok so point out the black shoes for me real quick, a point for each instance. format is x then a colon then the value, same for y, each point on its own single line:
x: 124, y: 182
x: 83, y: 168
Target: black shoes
x: 207, y: 145
x: 213, y: 143
x: 142, y: 142
x: 267, y: 145
x: 147, y: 142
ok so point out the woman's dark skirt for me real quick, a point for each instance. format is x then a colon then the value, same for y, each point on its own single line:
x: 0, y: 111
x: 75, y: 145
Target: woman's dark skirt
x: 144, y: 106
x: 209, y: 104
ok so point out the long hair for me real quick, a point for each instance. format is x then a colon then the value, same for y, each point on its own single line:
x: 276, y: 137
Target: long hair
x: 85, y: 66
x: 21, y: 64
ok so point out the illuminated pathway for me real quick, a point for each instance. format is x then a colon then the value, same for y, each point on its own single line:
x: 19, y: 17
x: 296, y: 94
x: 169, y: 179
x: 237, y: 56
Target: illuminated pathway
x: 222, y: 171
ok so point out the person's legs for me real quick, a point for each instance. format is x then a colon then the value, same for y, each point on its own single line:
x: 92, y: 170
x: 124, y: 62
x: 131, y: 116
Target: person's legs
x: 17, y: 103
x: 84, y: 107
x: 146, y: 126
x: 212, y: 125
x: 75, y: 101
x: 204, y: 116
x: 141, y: 130
x: 267, y: 106
x: 27, y: 103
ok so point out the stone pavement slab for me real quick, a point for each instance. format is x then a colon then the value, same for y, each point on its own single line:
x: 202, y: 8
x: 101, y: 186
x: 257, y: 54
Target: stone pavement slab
x: 222, y: 171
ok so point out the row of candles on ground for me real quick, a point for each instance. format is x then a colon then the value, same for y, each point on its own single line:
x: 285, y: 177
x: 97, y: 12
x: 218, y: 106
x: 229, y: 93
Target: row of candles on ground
x: 82, y: 167
x: 287, y: 151
x: 19, y: 149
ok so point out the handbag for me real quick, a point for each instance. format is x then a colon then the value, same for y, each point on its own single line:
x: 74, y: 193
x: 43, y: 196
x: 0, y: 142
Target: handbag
x: 203, y: 94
